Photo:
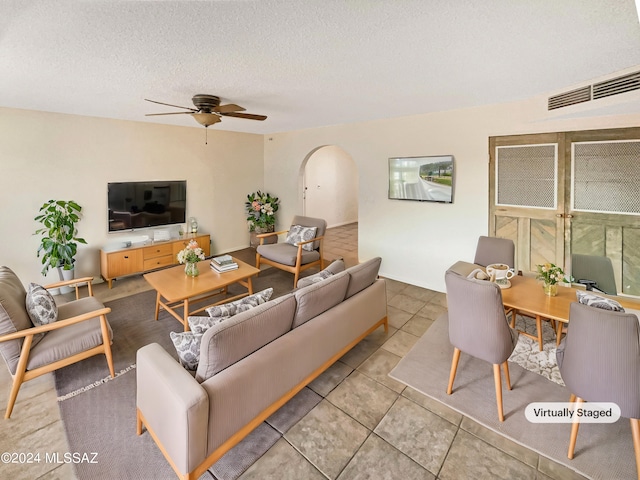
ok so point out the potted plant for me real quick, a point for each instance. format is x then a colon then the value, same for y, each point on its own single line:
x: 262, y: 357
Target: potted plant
x: 261, y: 213
x: 59, y: 242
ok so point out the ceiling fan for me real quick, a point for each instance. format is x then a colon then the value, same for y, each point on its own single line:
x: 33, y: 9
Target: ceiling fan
x: 208, y: 110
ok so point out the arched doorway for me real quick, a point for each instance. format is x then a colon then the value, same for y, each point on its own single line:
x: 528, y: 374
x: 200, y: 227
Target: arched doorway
x: 329, y: 186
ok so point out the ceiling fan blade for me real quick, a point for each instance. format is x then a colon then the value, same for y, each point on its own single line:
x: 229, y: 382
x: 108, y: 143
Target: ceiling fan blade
x: 229, y: 108
x: 249, y: 116
x: 172, y: 113
x: 169, y: 105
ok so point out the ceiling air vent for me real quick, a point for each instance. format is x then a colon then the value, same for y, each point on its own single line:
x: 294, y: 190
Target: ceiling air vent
x: 615, y: 86
x: 570, y: 98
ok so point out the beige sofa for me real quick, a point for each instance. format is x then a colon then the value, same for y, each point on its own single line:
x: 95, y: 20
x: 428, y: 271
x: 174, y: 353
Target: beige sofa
x: 252, y: 364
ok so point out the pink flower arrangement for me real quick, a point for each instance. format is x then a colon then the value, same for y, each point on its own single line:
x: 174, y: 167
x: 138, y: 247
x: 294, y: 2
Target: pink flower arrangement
x: 261, y: 209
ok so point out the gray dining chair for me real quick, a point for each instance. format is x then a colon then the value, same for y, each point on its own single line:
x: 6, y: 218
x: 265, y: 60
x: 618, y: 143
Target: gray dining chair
x: 599, y: 361
x: 478, y: 327
x: 495, y: 250
x: 595, y: 272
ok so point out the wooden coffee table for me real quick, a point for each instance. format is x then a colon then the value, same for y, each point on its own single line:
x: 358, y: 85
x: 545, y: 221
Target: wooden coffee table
x: 526, y: 295
x: 175, y: 289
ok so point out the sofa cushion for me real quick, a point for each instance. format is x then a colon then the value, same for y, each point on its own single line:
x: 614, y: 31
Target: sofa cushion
x: 67, y: 341
x: 588, y: 298
x: 13, y: 316
x: 298, y: 233
x: 286, y: 254
x: 336, y: 266
x: 238, y: 306
x: 188, y: 348
x: 362, y: 275
x: 230, y: 341
x: 319, y: 297
x: 41, y: 306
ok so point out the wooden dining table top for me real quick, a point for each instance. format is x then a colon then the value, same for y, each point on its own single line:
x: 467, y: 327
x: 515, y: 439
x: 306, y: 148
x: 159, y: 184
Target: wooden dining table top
x: 526, y: 294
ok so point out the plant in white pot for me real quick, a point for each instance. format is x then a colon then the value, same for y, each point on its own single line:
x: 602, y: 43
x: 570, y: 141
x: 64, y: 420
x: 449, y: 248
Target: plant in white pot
x: 59, y: 242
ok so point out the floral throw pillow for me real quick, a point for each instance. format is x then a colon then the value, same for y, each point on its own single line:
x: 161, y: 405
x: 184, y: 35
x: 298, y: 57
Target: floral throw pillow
x: 202, y: 324
x: 298, y: 233
x: 188, y: 347
x: 41, y: 306
x: 588, y: 298
x: 233, y: 308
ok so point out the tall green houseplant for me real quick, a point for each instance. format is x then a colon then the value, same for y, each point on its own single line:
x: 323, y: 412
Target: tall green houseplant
x: 59, y: 242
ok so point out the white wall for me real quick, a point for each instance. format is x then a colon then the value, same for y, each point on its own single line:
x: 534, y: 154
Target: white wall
x: 47, y: 156
x: 331, y: 181
x: 418, y: 241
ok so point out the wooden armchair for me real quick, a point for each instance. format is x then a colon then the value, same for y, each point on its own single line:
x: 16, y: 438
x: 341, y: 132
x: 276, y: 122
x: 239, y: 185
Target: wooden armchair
x: 292, y: 258
x: 30, y: 351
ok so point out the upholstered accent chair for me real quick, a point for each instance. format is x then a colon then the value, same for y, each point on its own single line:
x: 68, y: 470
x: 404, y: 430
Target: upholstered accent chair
x: 478, y: 327
x: 301, y: 250
x: 599, y: 361
x: 495, y: 250
x: 64, y: 334
x: 595, y: 272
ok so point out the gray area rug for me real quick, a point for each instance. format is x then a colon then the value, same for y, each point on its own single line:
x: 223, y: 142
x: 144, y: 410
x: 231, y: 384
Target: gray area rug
x: 603, y: 451
x: 98, y: 412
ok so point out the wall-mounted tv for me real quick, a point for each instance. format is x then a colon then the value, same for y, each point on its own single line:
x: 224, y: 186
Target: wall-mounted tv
x: 135, y: 205
x: 424, y: 179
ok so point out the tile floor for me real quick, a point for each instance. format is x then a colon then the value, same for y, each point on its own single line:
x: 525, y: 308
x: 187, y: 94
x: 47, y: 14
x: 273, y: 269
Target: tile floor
x: 361, y: 423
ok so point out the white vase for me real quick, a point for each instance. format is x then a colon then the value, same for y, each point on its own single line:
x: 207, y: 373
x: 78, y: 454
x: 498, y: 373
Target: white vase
x: 66, y: 275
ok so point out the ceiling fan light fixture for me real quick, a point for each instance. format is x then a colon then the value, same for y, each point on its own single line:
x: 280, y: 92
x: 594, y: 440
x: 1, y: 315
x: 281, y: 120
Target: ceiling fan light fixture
x: 206, y: 119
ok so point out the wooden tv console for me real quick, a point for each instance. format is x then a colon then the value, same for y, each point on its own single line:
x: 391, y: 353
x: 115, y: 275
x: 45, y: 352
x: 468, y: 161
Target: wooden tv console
x: 147, y: 257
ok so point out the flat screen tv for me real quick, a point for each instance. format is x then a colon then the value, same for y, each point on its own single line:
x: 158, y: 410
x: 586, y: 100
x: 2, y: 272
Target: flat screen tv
x: 423, y: 179
x: 135, y: 205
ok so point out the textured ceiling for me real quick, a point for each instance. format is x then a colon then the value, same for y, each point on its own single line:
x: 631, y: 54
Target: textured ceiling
x: 304, y: 63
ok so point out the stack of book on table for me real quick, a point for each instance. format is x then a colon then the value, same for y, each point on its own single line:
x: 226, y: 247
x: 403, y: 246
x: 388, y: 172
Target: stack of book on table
x: 223, y: 263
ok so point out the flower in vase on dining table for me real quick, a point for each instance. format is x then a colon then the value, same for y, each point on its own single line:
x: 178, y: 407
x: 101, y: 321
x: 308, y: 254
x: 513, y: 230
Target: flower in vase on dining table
x: 552, y: 275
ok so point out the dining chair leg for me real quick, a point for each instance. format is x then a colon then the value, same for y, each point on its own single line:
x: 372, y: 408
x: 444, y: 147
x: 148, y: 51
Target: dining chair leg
x: 572, y: 398
x: 498, y: 382
x: 454, y: 367
x: 574, y: 430
x: 635, y: 431
x: 507, y: 378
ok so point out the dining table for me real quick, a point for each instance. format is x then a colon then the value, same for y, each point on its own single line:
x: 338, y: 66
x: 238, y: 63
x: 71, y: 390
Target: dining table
x: 526, y: 295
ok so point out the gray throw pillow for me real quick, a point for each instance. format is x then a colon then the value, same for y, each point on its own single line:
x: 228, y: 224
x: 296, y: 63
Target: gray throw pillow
x: 41, y: 306
x: 588, y: 298
x: 188, y: 347
x: 233, y: 308
x: 336, y: 266
x: 298, y: 233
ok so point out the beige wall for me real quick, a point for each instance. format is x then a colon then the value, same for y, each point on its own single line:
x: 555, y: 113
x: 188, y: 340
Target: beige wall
x: 418, y: 241
x: 47, y: 156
